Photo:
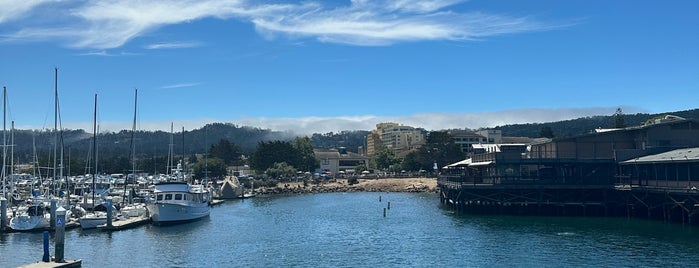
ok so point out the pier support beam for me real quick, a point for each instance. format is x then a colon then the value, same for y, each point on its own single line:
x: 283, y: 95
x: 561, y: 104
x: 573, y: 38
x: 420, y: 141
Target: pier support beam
x: 109, y: 212
x: 54, y: 203
x: 3, y: 214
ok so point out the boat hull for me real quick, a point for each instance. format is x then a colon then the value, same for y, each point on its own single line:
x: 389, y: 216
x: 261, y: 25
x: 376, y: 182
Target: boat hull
x: 91, y: 221
x: 28, y: 223
x: 168, y: 213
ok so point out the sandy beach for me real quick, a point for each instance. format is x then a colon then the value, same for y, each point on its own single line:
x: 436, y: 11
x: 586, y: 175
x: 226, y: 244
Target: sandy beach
x: 364, y: 185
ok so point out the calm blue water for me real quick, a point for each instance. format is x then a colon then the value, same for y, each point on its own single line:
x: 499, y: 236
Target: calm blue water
x: 349, y: 230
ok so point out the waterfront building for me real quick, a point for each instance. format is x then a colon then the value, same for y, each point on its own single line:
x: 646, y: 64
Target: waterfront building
x: 399, y: 138
x: 336, y: 160
x: 619, y: 171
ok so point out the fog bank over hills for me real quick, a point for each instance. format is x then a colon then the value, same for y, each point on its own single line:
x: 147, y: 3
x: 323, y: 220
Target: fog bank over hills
x: 315, y: 124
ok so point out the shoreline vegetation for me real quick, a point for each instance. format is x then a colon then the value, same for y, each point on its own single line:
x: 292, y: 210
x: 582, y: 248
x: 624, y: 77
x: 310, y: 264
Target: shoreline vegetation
x: 404, y: 185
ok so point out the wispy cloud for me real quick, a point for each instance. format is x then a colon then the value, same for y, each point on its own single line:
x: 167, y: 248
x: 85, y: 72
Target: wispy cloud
x: 104, y: 53
x: 180, y: 85
x: 174, y: 45
x: 110, y: 24
x: 15, y: 9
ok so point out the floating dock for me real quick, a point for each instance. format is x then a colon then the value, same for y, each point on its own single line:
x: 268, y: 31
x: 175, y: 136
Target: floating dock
x: 52, y: 264
x: 124, y: 224
x: 216, y: 202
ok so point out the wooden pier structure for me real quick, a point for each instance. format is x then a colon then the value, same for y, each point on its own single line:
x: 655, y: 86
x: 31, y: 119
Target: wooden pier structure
x: 650, y: 171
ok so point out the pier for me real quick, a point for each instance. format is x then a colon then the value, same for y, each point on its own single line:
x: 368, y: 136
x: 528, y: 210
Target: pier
x: 649, y: 171
x: 677, y: 205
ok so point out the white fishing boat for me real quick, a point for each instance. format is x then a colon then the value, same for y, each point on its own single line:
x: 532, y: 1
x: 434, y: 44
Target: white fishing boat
x: 177, y: 201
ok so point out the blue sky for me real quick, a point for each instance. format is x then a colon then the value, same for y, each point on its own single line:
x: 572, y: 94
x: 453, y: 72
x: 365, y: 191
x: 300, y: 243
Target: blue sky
x: 318, y: 66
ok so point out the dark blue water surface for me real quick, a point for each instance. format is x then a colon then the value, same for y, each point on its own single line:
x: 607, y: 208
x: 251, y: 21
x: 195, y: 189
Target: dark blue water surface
x: 349, y: 230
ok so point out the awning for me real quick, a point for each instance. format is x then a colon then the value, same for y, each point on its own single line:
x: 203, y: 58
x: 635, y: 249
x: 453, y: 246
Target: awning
x: 460, y: 163
x: 481, y: 163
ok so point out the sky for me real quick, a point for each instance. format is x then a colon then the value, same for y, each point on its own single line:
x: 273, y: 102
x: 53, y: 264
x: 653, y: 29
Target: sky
x: 322, y: 66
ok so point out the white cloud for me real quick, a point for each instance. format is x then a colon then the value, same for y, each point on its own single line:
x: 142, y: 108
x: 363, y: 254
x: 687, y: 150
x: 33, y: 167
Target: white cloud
x: 15, y: 9
x: 110, y: 24
x: 180, y: 85
x: 429, y: 121
x: 174, y: 45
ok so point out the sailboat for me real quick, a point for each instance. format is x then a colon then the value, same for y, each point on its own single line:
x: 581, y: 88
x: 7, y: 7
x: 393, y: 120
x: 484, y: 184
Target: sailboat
x: 128, y: 208
x: 98, y: 215
x: 29, y: 217
x: 178, y: 201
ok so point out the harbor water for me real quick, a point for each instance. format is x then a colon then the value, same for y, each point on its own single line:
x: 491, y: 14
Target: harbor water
x: 350, y: 230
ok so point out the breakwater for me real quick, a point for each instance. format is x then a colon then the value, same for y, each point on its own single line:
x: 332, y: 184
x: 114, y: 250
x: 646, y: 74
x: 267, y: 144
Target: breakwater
x: 398, y: 185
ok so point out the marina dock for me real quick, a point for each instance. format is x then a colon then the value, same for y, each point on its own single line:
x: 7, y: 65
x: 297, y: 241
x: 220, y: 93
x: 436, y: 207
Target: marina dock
x: 52, y: 264
x: 124, y: 224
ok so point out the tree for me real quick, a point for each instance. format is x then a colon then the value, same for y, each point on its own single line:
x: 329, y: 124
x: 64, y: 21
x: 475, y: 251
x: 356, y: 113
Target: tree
x: 385, y: 158
x: 226, y: 151
x: 412, y: 161
x: 216, y: 169
x: 440, y: 149
x: 268, y: 153
x: 546, y: 132
x: 619, y: 119
x: 358, y: 169
x: 306, y: 158
x: 279, y: 170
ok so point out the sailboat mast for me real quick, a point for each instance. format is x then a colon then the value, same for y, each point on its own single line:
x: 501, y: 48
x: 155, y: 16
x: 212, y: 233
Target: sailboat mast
x: 12, y: 149
x: 133, y: 147
x: 183, y: 167
x: 170, y: 153
x: 94, y: 153
x: 55, y: 123
x: 4, y: 140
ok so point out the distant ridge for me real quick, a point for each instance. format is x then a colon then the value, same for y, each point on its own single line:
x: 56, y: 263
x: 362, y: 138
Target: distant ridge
x: 155, y: 143
x: 584, y: 125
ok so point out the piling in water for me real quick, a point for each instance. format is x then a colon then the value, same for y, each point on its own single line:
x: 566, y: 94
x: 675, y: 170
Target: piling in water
x: 3, y: 214
x: 384, y: 212
x: 109, y: 212
x: 52, y: 220
x: 389, y: 204
x: 47, y: 256
x: 60, y: 233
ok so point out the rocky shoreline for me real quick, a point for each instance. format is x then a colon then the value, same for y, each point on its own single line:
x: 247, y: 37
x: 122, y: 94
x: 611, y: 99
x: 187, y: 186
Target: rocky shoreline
x: 404, y: 185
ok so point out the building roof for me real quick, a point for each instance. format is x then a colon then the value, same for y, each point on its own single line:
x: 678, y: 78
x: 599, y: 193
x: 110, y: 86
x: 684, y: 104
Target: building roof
x: 674, y: 156
x: 335, y: 154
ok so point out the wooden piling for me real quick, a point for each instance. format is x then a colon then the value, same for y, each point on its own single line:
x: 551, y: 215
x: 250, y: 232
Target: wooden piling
x: 3, y: 214
x: 109, y: 212
x: 384, y: 212
x: 54, y: 204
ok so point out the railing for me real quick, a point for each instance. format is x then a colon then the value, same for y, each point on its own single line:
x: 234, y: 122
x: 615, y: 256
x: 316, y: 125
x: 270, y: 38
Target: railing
x: 457, y: 181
